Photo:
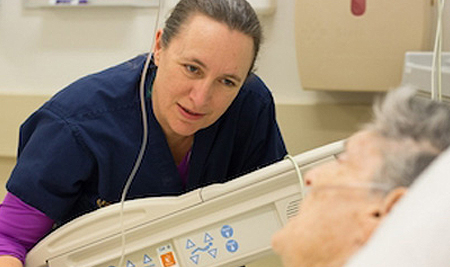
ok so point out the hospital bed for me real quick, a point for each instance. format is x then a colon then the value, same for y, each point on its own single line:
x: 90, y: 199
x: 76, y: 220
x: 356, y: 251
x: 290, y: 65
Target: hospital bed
x: 228, y: 224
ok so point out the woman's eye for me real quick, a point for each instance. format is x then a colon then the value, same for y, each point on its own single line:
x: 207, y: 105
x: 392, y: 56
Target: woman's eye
x: 192, y: 69
x: 228, y: 83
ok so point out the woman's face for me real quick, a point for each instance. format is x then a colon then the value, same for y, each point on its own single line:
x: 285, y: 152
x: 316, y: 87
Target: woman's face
x: 199, y: 74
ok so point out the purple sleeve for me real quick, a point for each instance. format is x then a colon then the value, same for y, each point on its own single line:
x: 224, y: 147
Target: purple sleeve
x: 21, y: 227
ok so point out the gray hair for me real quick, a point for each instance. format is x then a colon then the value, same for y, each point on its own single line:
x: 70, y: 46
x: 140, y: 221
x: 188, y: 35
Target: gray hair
x: 416, y: 130
x: 236, y: 14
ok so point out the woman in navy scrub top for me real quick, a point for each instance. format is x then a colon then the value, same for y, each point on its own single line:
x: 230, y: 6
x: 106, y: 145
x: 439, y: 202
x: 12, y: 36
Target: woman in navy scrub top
x: 210, y: 120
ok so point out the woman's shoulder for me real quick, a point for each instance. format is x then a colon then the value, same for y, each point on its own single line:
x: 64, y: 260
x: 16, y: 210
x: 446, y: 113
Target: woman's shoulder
x: 254, y: 89
x: 113, y: 88
x: 253, y: 96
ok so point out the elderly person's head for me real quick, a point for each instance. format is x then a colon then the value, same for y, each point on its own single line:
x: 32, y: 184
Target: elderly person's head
x: 348, y: 198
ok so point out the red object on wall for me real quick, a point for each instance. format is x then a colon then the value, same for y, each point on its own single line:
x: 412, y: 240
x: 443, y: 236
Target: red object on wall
x: 358, y: 7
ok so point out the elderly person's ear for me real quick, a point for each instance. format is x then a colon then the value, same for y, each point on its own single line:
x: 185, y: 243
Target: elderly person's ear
x: 375, y: 213
x: 379, y: 211
x: 391, y: 199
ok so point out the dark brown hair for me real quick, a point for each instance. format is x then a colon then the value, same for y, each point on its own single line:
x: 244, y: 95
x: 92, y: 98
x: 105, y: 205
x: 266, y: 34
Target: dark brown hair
x: 236, y: 14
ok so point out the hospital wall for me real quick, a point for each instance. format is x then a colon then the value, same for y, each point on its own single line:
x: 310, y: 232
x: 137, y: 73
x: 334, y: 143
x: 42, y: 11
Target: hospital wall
x: 43, y: 50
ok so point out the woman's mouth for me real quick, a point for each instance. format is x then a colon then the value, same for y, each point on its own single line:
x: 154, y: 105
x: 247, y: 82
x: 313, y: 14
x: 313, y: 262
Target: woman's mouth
x: 189, y: 114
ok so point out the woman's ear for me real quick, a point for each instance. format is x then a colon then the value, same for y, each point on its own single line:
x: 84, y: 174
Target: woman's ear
x: 158, y: 46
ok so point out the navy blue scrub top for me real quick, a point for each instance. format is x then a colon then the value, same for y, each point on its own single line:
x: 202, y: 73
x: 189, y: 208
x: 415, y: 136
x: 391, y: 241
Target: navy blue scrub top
x: 77, y: 151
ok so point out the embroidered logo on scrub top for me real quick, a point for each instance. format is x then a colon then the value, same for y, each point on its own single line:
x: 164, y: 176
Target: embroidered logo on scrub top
x: 102, y: 203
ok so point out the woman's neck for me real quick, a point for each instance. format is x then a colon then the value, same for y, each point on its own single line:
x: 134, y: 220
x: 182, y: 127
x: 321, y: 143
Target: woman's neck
x: 179, y: 146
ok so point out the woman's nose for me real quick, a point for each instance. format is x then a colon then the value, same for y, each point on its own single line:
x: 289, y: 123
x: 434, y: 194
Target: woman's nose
x: 201, y: 93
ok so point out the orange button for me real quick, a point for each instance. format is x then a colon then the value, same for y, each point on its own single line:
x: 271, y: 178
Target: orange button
x: 168, y: 259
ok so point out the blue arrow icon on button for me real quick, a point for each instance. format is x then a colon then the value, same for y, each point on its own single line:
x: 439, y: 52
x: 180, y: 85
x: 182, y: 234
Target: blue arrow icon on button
x: 195, y: 258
